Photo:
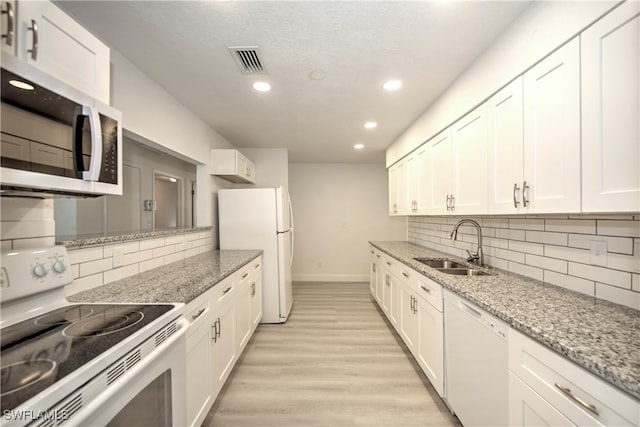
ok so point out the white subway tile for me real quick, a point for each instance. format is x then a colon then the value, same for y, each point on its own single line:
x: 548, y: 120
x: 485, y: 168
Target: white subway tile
x: 505, y: 233
x: 530, y: 248
x: 527, y: 224
x: 571, y: 226
x: 496, y: 243
x: 526, y: 270
x: 547, y: 263
x: 77, y: 256
x: 599, y: 274
x: 618, y: 228
x: 173, y: 240
x: 34, y: 242
x: 136, y: 257
x: 566, y: 253
x: 191, y: 236
x: 622, y: 262
x: 75, y: 270
x: 551, y: 238
x: 191, y: 252
x: 120, y: 273
x: 83, y: 284
x: 165, y: 250
x: 6, y: 245
x: 151, y: 244
x: 570, y: 282
x: 127, y: 248
x: 635, y: 282
x: 28, y: 229
x: 150, y: 264
x: 509, y: 255
x: 496, y: 222
x: 502, y: 264
x: 179, y: 247
x: 98, y: 266
x: 25, y: 209
x: 178, y: 256
x: 621, y: 245
x: 617, y: 295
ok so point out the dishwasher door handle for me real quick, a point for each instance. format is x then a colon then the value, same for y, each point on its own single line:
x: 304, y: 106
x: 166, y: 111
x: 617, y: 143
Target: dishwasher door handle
x: 469, y: 310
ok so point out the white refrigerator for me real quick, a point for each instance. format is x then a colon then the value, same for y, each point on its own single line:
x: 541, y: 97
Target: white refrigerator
x: 261, y: 218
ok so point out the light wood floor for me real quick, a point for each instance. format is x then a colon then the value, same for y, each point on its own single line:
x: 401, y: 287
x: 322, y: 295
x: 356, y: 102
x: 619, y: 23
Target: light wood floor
x: 335, y: 362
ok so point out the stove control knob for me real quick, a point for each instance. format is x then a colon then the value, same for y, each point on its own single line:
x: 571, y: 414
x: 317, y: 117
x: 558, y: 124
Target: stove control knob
x: 59, y: 266
x: 39, y: 270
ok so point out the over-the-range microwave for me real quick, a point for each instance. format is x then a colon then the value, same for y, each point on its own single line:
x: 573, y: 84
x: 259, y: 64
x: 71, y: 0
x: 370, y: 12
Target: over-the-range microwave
x: 56, y: 140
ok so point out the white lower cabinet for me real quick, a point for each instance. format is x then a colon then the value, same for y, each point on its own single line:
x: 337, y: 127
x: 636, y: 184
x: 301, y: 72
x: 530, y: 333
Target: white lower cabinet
x: 222, y: 320
x: 429, y: 352
x: 408, y: 317
x: 547, y: 389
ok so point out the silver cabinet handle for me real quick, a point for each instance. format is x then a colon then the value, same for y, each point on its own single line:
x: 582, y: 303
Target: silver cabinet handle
x: 245, y: 275
x: 378, y: 256
x: 516, y: 202
x: 448, y: 202
x: 218, y: 328
x: 388, y: 263
x: 34, y: 43
x: 253, y: 289
x: 412, y: 303
x: 427, y: 290
x: 405, y: 274
x: 227, y: 290
x: 525, y: 194
x: 10, y: 31
x: 198, y: 314
x: 567, y: 392
x: 453, y: 203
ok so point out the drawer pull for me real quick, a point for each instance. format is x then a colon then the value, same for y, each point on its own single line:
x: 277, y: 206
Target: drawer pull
x: 388, y: 263
x: 227, y: 290
x: 405, y: 274
x: 198, y: 314
x: 427, y: 290
x: 256, y: 266
x: 245, y: 275
x: 567, y: 392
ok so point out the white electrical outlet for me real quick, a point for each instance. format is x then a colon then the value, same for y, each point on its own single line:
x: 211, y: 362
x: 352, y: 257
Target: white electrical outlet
x: 636, y: 251
x: 599, y: 253
x: 118, y: 257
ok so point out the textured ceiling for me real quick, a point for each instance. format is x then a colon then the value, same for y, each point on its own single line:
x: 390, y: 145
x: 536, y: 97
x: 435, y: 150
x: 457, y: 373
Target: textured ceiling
x: 183, y: 46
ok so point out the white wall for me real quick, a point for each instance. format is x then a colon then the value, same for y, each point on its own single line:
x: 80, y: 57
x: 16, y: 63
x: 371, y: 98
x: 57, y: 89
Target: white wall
x: 338, y: 208
x: 272, y: 166
x: 541, y: 28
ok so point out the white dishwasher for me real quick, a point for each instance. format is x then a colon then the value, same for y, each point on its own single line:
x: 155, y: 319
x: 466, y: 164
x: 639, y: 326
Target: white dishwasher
x: 477, y: 372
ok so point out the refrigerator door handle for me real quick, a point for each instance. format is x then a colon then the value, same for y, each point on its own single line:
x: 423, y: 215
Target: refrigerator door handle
x: 292, y: 230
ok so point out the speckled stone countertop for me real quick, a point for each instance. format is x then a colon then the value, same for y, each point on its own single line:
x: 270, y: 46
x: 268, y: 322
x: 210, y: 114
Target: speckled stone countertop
x: 180, y: 281
x: 598, y: 335
x: 102, y: 239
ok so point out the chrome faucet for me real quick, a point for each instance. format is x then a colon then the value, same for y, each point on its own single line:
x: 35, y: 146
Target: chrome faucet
x: 478, y: 257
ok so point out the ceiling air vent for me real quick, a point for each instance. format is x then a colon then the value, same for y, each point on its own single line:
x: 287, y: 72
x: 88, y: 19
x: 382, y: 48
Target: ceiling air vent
x: 247, y: 59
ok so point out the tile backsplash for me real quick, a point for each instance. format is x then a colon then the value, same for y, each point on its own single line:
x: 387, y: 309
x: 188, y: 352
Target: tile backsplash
x: 594, y: 255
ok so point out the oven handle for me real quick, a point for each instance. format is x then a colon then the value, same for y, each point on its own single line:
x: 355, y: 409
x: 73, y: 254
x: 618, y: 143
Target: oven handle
x: 89, y: 412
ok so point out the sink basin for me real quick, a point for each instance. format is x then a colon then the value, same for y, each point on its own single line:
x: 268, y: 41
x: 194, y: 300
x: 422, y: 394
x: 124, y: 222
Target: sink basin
x: 440, y: 263
x: 463, y: 271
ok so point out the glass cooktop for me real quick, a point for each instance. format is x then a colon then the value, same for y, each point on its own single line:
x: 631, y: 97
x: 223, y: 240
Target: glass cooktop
x: 38, y: 352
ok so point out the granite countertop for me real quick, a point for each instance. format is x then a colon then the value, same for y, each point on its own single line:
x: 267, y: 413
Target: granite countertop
x: 105, y: 238
x: 598, y: 335
x: 181, y: 281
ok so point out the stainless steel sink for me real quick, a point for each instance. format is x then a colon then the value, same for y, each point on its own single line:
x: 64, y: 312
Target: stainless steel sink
x: 463, y: 271
x: 440, y: 263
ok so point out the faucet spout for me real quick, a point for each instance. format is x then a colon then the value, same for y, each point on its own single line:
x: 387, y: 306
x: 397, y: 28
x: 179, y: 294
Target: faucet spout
x: 479, y: 255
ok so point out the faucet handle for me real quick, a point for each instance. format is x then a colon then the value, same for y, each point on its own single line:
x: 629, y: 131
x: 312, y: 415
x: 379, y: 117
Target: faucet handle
x: 473, y: 257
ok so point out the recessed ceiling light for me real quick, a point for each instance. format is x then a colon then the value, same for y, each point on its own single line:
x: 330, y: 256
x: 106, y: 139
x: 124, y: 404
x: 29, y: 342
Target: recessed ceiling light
x: 262, y: 86
x: 392, y: 85
x: 21, y: 85
x: 370, y: 125
x: 317, y: 74
x: 358, y: 146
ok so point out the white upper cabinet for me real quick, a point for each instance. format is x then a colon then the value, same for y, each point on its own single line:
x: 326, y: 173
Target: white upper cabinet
x: 231, y: 165
x: 9, y: 22
x: 551, y: 181
x: 418, y: 180
x: 49, y: 39
x: 440, y: 173
x: 469, y: 136
x: 393, y: 189
x: 506, y: 149
x: 611, y: 112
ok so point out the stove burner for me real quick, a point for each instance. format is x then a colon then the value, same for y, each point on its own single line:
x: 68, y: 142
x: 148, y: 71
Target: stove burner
x: 61, y: 317
x: 102, y: 324
x: 24, y: 374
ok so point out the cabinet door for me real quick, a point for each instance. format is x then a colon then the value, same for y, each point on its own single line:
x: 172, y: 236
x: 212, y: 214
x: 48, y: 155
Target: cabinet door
x: 403, y: 202
x: 256, y: 302
x: 528, y: 409
x: 440, y: 167
x: 386, y: 293
x: 424, y: 181
x: 65, y: 49
x: 393, y: 190
x: 373, y: 274
x: 379, y: 279
x: 611, y: 112
x: 408, y: 318
x: 429, y: 351
x: 243, y: 316
x: 412, y: 183
x: 470, y: 163
x: 9, y: 25
x: 199, y: 376
x: 552, y: 132
x: 506, y: 156
x: 394, y: 303
x: 224, y: 343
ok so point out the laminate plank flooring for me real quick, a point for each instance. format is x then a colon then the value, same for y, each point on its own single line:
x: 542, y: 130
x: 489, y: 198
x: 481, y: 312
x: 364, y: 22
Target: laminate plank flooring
x: 335, y: 362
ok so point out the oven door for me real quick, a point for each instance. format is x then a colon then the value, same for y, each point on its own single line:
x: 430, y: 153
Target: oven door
x: 150, y: 394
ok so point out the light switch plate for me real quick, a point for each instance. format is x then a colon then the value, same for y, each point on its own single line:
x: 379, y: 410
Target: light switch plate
x: 599, y: 253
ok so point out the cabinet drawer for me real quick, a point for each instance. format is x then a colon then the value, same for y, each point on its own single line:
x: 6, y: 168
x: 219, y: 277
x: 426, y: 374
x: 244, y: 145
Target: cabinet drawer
x: 429, y: 290
x: 197, y: 312
x: 223, y: 291
x: 548, y: 374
